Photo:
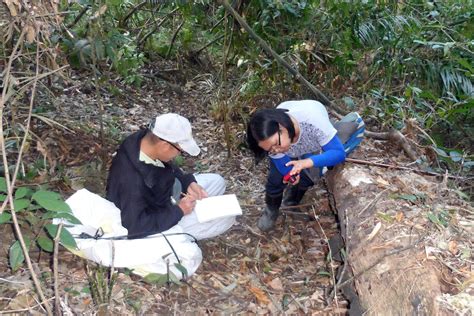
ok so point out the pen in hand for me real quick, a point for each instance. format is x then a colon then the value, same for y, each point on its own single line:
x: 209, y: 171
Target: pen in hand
x: 187, y: 203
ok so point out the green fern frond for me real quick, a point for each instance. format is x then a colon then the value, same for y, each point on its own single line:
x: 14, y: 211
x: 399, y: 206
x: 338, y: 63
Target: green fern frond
x: 374, y: 32
x: 455, y: 81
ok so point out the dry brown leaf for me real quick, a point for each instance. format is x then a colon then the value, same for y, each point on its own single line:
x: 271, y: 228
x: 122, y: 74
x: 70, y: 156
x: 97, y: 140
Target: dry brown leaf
x: 276, y: 284
x: 382, y: 182
x: 243, y: 268
x: 24, y: 299
x: 30, y: 33
x: 317, y: 295
x: 453, y: 247
x: 259, y: 295
x: 12, y: 6
x: 100, y: 11
x: 399, y: 217
x: 339, y: 311
x: 41, y: 147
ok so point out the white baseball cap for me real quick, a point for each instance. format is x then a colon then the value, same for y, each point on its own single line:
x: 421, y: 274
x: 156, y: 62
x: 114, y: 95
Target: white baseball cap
x: 177, y: 130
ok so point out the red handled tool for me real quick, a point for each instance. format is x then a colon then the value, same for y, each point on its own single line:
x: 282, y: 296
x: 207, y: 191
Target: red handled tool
x: 289, y: 178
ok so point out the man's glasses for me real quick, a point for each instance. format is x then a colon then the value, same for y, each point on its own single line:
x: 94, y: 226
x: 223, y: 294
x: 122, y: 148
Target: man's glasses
x: 177, y: 148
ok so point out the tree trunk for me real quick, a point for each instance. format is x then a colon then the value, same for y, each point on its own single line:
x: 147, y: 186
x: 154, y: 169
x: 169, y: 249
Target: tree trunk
x: 384, y: 240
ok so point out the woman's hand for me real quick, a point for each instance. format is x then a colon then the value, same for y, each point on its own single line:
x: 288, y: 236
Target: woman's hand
x: 297, y: 180
x: 299, y: 165
x: 196, y: 191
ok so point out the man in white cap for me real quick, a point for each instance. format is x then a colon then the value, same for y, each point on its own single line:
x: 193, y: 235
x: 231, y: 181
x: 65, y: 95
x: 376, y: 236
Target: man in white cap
x: 152, y: 193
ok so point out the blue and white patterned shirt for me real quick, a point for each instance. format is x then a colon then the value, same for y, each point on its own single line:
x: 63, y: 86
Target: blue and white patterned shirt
x: 315, y: 128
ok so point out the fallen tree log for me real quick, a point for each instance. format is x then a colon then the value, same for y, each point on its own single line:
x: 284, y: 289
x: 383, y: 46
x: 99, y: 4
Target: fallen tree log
x: 384, y: 236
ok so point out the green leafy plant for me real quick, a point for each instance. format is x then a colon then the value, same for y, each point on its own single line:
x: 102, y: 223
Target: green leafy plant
x: 440, y: 219
x: 35, y: 209
x: 168, y: 278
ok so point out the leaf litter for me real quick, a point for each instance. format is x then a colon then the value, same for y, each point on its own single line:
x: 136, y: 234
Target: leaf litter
x: 244, y: 270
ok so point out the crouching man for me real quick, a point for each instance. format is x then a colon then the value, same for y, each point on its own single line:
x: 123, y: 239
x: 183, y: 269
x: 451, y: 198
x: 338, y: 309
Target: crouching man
x: 156, y: 198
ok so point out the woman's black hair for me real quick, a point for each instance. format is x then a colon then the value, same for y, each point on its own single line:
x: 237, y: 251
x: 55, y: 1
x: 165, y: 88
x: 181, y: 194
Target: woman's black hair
x: 264, y: 124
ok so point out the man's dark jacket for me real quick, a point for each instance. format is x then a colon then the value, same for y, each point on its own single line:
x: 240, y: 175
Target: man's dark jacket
x: 143, y: 191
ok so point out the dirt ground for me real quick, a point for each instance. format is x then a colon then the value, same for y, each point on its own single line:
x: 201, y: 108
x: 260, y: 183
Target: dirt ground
x: 285, y: 271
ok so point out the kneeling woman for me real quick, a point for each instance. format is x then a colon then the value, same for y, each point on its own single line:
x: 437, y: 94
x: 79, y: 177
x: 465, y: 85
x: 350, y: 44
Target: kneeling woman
x: 300, y: 141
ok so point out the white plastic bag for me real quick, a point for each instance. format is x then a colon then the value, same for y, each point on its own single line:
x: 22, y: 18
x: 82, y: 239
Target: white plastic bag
x: 151, y: 254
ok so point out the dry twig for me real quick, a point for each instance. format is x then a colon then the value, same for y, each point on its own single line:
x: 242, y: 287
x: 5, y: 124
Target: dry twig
x: 324, y: 99
x: 57, y: 302
x: 331, y: 264
x: 29, y: 309
x: 384, y: 165
x: 173, y: 39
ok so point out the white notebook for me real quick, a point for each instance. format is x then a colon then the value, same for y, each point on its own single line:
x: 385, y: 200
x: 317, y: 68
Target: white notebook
x: 216, y: 207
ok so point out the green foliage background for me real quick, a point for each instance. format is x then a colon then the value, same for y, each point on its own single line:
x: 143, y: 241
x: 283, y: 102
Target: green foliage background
x: 402, y: 60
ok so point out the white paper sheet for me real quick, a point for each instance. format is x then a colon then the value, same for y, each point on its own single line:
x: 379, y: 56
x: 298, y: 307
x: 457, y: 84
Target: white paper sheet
x: 216, y: 207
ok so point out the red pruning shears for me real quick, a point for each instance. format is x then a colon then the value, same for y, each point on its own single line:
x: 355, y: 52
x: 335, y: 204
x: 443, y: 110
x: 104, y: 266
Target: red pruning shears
x: 290, y: 178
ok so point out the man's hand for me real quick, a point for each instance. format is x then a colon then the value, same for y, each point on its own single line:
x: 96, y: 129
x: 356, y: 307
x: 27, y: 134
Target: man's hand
x: 187, y: 204
x: 299, y: 165
x: 196, y: 191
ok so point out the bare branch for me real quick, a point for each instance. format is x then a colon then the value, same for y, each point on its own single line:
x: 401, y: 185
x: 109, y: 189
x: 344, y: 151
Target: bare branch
x: 123, y: 22
x: 79, y: 16
x: 391, y: 166
x: 173, y: 39
x: 146, y: 36
x: 57, y: 302
x: 321, y: 96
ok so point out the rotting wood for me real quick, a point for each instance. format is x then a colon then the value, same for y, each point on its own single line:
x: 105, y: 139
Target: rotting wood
x: 394, y: 279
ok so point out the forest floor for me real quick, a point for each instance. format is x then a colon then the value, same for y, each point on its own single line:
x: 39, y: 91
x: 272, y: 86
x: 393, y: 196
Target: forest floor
x: 285, y: 271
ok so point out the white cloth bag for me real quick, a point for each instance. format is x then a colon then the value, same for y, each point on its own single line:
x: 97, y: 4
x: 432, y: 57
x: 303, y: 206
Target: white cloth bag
x: 152, y: 254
